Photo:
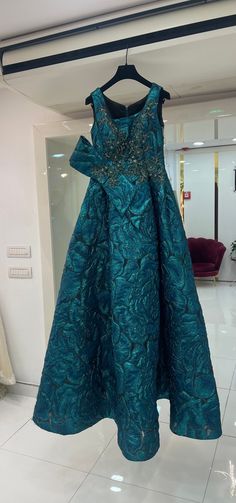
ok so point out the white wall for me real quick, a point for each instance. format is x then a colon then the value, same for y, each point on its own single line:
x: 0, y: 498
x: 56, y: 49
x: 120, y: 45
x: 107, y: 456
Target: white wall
x: 199, y: 180
x: 21, y: 302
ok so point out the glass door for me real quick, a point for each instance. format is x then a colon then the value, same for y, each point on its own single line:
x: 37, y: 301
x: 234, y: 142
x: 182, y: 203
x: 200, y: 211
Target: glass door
x: 67, y: 189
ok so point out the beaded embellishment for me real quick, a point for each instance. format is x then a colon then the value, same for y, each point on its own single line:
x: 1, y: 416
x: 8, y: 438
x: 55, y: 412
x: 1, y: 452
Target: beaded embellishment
x: 129, y: 154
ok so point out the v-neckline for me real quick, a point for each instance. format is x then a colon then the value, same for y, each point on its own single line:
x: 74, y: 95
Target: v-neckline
x: 135, y: 116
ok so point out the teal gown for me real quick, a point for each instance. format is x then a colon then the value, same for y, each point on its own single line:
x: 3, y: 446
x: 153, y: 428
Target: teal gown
x: 128, y: 327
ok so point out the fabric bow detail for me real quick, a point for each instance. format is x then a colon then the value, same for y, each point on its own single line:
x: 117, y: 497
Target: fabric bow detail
x: 88, y: 161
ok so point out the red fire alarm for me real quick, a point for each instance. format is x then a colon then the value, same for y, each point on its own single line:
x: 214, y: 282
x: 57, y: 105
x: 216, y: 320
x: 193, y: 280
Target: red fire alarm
x: 187, y: 195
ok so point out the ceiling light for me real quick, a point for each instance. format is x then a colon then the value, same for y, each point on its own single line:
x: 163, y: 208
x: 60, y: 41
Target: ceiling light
x: 224, y: 115
x: 215, y: 111
x: 233, y: 139
x: 58, y: 155
x: 117, y: 477
x: 63, y: 175
x: 198, y: 143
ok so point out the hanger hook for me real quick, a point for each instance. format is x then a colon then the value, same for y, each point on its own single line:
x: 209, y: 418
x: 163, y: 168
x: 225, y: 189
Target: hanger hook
x: 126, y: 56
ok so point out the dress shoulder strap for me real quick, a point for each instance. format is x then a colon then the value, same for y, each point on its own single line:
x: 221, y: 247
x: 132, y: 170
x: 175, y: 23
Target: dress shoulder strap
x: 96, y: 103
x: 156, y: 101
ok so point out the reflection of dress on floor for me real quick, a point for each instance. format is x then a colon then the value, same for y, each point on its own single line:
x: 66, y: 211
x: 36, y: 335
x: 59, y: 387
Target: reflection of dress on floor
x: 128, y: 326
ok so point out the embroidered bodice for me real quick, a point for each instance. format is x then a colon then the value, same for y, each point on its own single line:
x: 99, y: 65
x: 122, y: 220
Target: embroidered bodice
x: 129, y: 146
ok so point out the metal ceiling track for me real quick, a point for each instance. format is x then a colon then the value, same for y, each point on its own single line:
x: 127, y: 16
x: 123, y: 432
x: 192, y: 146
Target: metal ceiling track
x: 117, y: 45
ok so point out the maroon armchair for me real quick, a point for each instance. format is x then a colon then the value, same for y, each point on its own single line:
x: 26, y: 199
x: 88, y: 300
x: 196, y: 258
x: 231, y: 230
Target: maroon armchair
x: 206, y: 255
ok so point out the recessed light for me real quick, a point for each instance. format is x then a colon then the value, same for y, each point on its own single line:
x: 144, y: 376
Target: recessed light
x: 115, y: 489
x: 58, y: 155
x: 198, y: 143
x: 233, y: 139
x: 63, y: 175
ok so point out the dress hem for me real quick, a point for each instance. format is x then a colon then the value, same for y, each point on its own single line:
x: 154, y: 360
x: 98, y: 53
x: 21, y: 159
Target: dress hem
x: 66, y: 431
x: 212, y: 436
x: 49, y: 427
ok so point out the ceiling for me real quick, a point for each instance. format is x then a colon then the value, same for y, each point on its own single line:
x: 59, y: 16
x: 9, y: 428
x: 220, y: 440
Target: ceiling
x: 33, y: 16
x: 198, y: 70
x: 194, y: 70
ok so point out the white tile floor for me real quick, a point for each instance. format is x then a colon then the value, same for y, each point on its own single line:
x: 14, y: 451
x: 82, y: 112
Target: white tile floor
x: 41, y: 467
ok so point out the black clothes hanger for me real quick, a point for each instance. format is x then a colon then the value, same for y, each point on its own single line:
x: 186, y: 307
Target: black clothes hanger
x: 128, y: 72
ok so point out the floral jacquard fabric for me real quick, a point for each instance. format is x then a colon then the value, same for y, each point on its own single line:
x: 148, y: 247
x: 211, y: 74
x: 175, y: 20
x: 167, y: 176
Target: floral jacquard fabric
x: 128, y: 326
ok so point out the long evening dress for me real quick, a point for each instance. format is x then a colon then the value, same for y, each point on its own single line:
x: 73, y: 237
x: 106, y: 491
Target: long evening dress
x: 128, y: 327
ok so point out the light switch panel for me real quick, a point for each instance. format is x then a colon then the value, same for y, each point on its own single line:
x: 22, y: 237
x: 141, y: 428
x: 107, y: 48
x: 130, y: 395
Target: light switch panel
x: 20, y: 272
x: 19, y: 251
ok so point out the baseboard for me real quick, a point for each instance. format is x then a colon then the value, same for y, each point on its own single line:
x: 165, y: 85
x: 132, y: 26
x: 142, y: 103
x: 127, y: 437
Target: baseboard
x: 23, y: 389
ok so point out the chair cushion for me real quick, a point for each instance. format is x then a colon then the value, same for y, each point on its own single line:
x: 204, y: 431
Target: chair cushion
x: 203, y: 266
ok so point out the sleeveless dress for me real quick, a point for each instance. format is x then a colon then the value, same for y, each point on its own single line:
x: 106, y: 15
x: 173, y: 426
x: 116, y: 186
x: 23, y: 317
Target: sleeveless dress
x: 128, y: 327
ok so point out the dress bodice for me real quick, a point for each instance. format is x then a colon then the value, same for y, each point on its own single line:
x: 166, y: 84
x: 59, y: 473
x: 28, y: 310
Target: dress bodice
x: 113, y: 123
x: 126, y: 149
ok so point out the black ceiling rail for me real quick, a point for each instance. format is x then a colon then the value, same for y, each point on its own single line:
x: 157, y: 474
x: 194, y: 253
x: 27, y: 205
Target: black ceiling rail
x: 135, y: 41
